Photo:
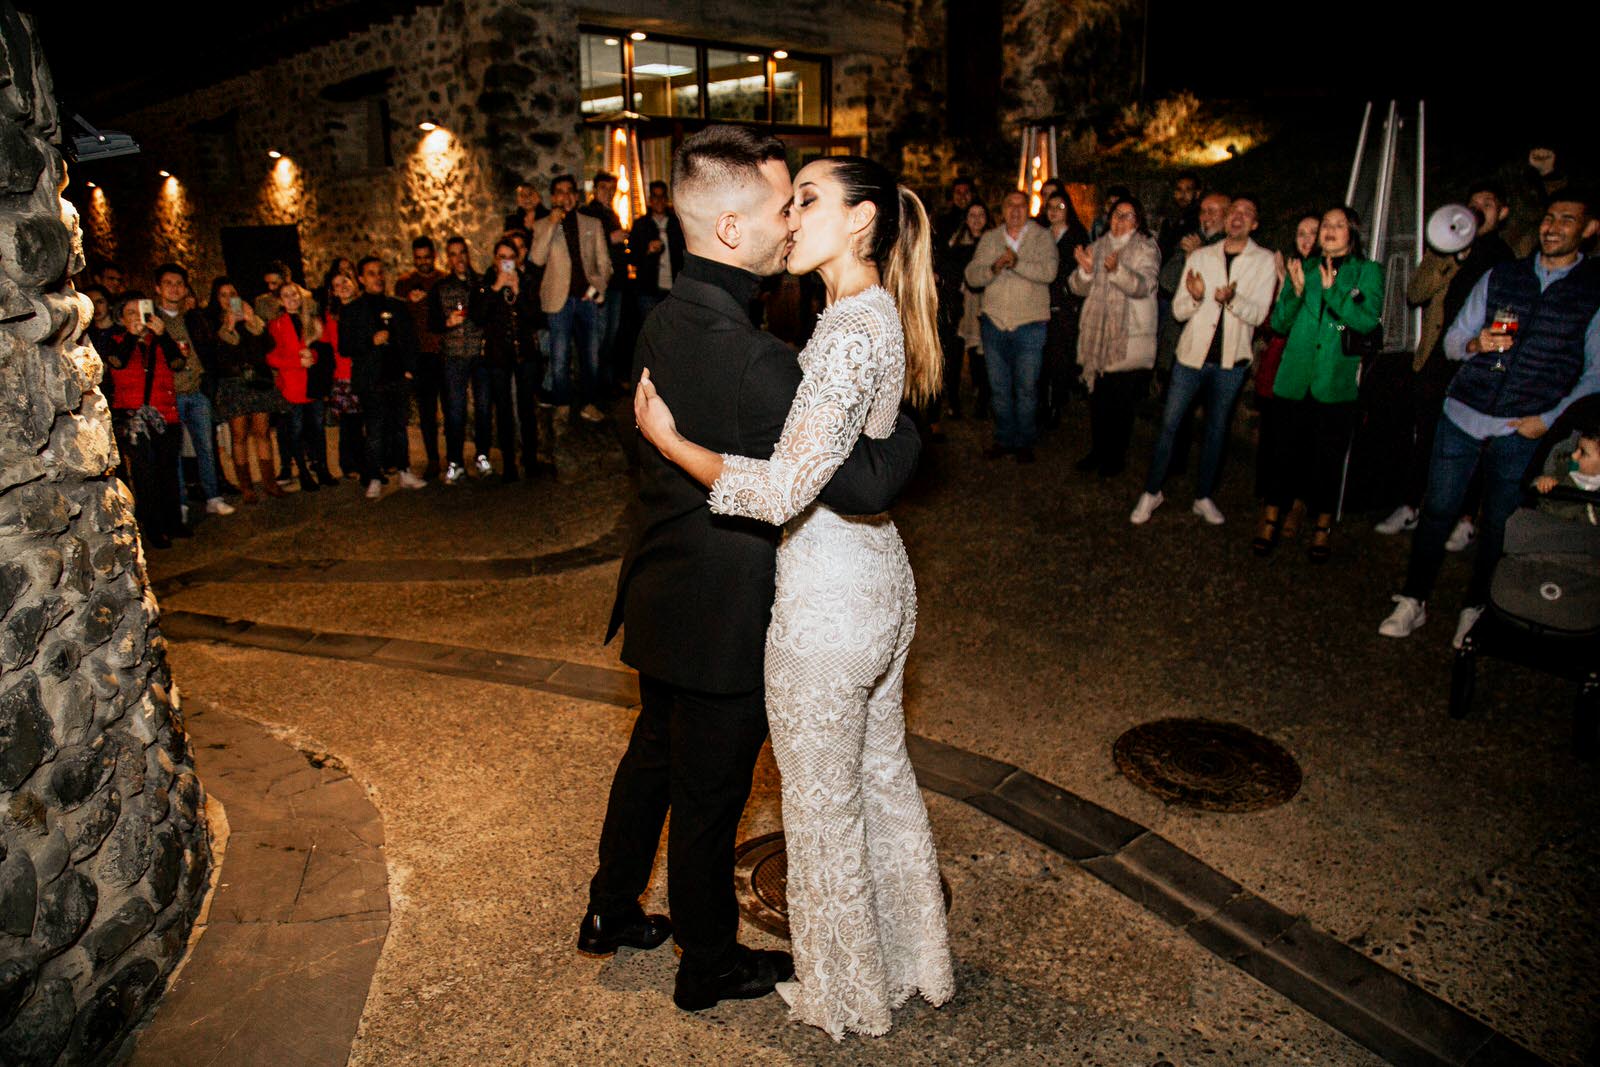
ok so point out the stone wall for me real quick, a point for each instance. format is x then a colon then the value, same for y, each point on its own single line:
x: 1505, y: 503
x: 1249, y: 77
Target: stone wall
x: 103, y: 848
x: 498, y: 77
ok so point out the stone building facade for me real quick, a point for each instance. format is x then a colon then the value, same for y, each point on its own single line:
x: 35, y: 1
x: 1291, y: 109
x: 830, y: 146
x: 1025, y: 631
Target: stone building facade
x: 500, y: 81
x: 103, y: 840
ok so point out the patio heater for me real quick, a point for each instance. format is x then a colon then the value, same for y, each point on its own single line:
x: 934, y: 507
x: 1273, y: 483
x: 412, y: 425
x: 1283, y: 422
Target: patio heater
x: 621, y: 157
x: 1038, y: 164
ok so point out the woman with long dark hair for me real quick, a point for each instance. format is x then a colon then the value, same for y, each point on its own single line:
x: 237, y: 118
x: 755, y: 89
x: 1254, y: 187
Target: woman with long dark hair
x: 866, y: 913
x: 950, y: 265
x: 1066, y: 307
x: 140, y: 361
x: 342, y: 399
x: 246, y: 398
x: 1328, y: 304
x: 505, y: 306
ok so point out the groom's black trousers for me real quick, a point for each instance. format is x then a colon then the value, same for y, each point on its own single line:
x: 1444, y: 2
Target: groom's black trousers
x: 695, y: 753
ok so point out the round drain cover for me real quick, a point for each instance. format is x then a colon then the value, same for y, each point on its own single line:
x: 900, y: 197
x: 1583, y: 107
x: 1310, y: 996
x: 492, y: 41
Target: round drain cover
x: 1201, y: 763
x: 761, y: 881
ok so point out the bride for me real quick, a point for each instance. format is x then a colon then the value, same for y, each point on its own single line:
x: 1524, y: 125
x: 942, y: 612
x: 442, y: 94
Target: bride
x: 866, y: 913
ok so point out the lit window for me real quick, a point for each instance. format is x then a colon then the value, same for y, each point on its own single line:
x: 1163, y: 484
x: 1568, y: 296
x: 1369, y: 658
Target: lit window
x: 736, y: 86
x: 666, y: 79
x: 600, y: 73
x: 797, y: 96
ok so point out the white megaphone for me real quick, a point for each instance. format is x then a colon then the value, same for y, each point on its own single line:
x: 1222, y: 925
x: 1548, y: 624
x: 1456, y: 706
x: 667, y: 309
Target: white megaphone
x: 1452, y: 228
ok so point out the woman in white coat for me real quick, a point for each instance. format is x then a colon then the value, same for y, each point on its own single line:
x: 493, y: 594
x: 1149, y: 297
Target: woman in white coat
x: 1116, y: 276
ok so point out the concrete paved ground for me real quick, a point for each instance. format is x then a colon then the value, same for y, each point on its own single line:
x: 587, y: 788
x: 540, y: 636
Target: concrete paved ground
x: 1458, y: 854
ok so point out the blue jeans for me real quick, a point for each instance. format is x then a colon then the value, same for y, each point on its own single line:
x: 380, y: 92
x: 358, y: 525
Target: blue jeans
x: 576, y: 327
x: 1217, y: 389
x: 194, y: 412
x: 306, y: 436
x: 609, y: 315
x: 1456, y: 455
x: 457, y: 375
x: 1014, y: 358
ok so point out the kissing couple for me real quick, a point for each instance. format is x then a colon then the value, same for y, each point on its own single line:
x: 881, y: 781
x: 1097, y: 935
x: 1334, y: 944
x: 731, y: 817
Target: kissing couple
x: 766, y: 588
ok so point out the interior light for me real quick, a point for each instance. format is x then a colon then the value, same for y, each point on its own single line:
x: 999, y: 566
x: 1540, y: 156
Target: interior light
x: 165, y: 174
x: 780, y: 54
x: 273, y: 153
x: 752, y: 59
x: 426, y: 127
x: 637, y: 36
x: 612, y: 42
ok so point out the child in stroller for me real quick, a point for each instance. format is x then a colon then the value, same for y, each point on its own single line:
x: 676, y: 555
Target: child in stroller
x: 1544, y: 600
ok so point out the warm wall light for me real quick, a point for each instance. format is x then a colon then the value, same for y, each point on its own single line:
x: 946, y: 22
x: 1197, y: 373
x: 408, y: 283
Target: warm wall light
x: 780, y: 54
x: 427, y: 127
x: 165, y: 174
x: 90, y: 185
x: 273, y: 153
x: 612, y: 42
x: 637, y: 36
x: 752, y: 59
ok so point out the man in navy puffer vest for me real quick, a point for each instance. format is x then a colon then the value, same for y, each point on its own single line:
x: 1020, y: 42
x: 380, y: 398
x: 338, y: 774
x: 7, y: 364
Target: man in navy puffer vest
x: 1512, y: 386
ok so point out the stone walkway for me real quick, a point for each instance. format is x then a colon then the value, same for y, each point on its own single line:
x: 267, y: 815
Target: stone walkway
x: 281, y: 968
x: 1430, y: 889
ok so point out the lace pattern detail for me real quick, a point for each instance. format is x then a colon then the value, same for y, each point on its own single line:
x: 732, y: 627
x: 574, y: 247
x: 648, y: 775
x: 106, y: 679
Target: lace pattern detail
x: 866, y: 912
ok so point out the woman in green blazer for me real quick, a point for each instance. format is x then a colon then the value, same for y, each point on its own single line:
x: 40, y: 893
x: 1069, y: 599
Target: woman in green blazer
x: 1326, y: 302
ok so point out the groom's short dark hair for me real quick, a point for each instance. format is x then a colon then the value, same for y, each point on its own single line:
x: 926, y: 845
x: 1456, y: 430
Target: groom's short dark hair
x: 721, y: 155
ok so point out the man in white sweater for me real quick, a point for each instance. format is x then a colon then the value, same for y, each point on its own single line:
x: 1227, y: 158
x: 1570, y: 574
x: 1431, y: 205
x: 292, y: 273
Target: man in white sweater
x: 1226, y: 293
x: 1014, y: 266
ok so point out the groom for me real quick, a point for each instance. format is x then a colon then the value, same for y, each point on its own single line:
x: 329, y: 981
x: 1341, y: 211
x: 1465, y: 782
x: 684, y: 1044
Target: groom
x: 696, y: 590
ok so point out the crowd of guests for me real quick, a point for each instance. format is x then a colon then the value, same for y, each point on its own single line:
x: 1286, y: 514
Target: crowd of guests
x: 259, y: 371
x: 1180, y: 313
x: 1128, y: 312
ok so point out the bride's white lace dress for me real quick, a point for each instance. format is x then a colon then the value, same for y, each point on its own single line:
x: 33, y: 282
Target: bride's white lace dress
x: 866, y: 914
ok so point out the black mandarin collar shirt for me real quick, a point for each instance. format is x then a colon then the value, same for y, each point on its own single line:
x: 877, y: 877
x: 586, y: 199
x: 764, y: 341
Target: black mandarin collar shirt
x: 735, y: 281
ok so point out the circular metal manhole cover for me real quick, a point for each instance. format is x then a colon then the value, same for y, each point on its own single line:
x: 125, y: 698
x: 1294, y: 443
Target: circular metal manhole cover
x: 761, y: 882
x: 1201, y: 763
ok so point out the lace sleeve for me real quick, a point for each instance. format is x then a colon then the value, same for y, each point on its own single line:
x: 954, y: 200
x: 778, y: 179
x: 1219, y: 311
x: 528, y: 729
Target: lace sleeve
x: 830, y: 408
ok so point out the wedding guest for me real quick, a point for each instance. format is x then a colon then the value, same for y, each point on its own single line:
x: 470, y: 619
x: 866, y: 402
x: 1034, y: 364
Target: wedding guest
x: 189, y: 331
x: 376, y: 333
x: 1329, y: 302
x: 1527, y: 342
x: 1061, y: 337
x: 952, y: 254
x: 461, y: 341
x: 504, y: 307
x: 574, y: 252
x: 293, y: 331
x: 1116, y: 276
x: 428, y: 383
x: 141, y: 360
x: 1270, y: 434
x: 342, y: 399
x: 1014, y: 264
x: 1440, y: 286
x: 1227, y: 292
x: 656, y: 249
x: 246, y: 398
x: 963, y: 194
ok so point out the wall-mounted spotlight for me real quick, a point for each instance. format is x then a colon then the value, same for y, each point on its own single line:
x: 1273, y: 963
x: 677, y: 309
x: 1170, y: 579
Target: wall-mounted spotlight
x: 165, y: 173
x: 427, y: 127
x: 90, y: 185
x: 273, y: 153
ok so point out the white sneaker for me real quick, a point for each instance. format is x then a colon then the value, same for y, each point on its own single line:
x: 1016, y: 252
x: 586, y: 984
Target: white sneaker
x: 1146, y: 507
x: 1208, y: 511
x: 1464, y: 624
x: 454, y: 473
x: 590, y: 413
x: 411, y: 481
x: 218, y: 506
x: 1400, y: 520
x: 374, y: 489
x: 1461, y: 537
x: 484, y: 467
x: 1406, y: 619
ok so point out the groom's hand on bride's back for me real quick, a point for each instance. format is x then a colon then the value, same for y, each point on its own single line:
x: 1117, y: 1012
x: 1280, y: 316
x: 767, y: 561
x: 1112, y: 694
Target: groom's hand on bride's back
x: 875, y: 472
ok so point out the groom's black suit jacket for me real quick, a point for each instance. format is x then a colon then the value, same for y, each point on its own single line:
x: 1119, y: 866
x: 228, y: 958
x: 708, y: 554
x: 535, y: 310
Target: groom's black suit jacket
x: 695, y: 593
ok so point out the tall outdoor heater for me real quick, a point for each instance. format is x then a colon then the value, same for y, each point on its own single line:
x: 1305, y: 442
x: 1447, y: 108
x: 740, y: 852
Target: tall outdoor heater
x: 1038, y: 164
x: 621, y: 157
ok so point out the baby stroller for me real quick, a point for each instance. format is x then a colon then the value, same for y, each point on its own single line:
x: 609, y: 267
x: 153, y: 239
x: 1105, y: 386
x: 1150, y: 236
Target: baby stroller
x: 1543, y: 611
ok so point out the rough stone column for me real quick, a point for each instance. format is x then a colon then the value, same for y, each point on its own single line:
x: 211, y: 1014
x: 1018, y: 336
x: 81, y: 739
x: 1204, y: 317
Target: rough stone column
x: 103, y: 846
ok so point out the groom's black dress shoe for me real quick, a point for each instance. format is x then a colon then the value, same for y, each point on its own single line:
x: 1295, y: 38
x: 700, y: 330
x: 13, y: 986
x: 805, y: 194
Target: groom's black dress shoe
x: 754, y: 975
x: 601, y: 936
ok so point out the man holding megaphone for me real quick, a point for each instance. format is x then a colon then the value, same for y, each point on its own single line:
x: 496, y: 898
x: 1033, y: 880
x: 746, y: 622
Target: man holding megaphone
x: 1440, y: 287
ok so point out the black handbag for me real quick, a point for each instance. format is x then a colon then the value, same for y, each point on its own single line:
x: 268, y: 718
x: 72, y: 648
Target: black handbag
x: 1361, y: 345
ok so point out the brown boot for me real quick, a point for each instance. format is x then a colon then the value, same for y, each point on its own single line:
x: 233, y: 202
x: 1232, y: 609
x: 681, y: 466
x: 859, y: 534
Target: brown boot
x: 247, y: 485
x: 1321, y: 545
x: 1266, y: 538
x: 269, y: 477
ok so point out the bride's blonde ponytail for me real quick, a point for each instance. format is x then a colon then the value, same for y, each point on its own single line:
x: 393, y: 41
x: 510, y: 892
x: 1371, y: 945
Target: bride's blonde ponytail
x: 908, y: 275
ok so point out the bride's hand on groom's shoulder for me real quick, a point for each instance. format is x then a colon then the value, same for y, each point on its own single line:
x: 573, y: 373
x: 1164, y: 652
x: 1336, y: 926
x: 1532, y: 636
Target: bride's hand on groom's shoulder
x: 651, y: 414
